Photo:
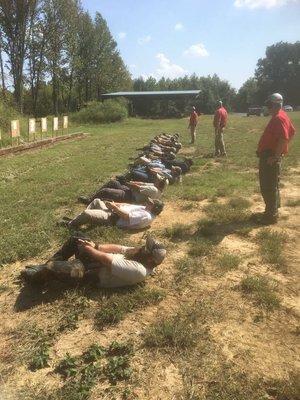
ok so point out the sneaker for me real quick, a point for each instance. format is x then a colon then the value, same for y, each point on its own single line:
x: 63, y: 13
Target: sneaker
x: 35, y: 274
x: 84, y: 199
x: 67, y: 219
x: 63, y: 223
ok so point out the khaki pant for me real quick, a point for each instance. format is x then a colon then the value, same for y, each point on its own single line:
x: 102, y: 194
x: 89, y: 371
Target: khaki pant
x: 193, y: 133
x: 96, y: 213
x: 219, y: 142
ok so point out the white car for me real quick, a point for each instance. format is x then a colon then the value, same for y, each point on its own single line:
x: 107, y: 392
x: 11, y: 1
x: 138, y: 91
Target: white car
x: 288, y: 108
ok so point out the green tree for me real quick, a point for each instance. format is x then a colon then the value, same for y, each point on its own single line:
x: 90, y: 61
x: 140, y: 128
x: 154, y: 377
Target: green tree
x: 110, y: 72
x: 16, y: 18
x: 247, y: 95
x: 36, y: 63
x: 212, y: 88
x: 54, y: 12
x: 279, y: 72
x: 86, y: 55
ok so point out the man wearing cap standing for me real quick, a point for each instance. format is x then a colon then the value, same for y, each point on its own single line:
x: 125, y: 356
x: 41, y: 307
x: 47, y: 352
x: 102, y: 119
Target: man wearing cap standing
x: 110, y: 265
x: 272, y: 145
x: 220, y: 120
x: 192, y: 124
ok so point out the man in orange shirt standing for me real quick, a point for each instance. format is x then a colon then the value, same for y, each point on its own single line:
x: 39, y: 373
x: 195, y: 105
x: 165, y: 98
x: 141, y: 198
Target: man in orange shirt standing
x: 220, y: 120
x: 272, y: 146
x: 192, y: 124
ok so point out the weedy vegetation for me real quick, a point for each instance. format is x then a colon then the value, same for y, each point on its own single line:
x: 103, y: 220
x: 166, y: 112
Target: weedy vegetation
x: 118, y: 305
x: 181, y: 331
x: 272, y: 246
x: 293, y: 203
x: 261, y: 290
x: 228, y: 261
x: 187, y: 267
x: 199, y: 247
x: 177, y: 232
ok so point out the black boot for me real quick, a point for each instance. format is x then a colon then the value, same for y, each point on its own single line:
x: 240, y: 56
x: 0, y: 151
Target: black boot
x: 36, y: 274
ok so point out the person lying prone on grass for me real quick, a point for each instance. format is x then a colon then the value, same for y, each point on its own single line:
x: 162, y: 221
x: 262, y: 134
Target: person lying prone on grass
x: 129, y: 192
x: 123, y: 215
x: 109, y: 265
x: 148, y: 174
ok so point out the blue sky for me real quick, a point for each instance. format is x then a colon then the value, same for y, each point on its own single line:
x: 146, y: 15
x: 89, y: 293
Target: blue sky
x: 178, y: 37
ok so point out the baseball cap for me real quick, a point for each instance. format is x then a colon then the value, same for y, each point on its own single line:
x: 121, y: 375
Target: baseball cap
x: 157, y: 207
x: 156, y: 249
x: 275, y: 98
x: 177, y: 171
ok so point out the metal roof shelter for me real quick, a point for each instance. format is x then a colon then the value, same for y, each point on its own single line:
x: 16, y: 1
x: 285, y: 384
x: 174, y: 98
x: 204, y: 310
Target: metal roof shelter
x: 155, y: 94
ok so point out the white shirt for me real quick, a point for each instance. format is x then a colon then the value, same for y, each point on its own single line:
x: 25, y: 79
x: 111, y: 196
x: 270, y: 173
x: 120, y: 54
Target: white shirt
x: 139, y: 217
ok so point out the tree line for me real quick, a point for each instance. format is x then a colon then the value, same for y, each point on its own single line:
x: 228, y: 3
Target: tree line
x: 211, y: 89
x: 57, y: 59
x: 57, y: 56
x: 278, y: 71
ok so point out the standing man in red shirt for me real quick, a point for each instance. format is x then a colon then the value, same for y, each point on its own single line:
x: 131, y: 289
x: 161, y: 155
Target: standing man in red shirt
x: 220, y: 120
x: 192, y: 124
x: 272, y: 146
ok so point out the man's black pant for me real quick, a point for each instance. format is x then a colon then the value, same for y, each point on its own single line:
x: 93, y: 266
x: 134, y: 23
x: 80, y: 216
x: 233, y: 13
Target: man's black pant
x: 69, y: 249
x: 119, y: 192
x: 269, y: 176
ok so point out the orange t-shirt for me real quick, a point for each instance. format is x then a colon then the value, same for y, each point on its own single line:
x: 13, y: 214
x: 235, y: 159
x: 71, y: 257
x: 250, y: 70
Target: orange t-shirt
x: 279, y: 125
x: 220, y: 118
x: 193, y: 118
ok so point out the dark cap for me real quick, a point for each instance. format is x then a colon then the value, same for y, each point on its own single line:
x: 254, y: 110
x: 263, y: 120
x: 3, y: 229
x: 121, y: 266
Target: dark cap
x: 157, y: 207
x: 177, y: 171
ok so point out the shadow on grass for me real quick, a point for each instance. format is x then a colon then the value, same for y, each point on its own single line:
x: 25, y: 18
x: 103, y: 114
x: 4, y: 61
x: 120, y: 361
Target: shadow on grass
x: 31, y: 296
x: 223, y: 220
x: 215, y: 232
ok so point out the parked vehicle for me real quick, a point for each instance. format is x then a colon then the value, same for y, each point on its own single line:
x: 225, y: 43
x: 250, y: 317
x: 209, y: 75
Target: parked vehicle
x: 265, y: 111
x: 254, y: 110
x: 288, y: 108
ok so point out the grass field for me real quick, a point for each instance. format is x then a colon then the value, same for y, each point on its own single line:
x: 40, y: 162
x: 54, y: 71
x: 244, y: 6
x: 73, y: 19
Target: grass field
x: 233, y: 284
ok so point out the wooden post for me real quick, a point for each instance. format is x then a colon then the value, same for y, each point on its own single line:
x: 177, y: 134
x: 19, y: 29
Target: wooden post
x: 66, y: 123
x: 32, y: 127
x: 44, y: 125
x: 15, y: 130
x: 55, y: 125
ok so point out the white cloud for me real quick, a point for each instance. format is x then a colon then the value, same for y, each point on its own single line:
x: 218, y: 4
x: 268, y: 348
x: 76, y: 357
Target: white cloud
x: 167, y: 69
x: 179, y: 26
x: 196, y: 50
x: 122, y: 35
x: 252, y: 4
x: 144, y: 40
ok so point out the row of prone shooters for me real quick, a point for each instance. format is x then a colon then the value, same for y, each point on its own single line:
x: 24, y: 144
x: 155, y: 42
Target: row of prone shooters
x: 130, y: 201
